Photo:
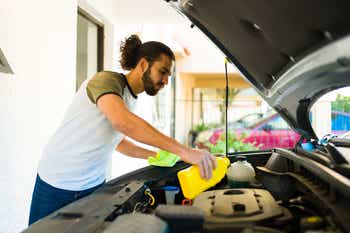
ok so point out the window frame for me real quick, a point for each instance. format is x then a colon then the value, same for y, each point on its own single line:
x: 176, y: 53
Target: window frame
x: 100, y: 37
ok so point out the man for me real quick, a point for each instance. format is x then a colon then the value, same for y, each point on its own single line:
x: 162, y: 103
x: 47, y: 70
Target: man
x: 74, y: 162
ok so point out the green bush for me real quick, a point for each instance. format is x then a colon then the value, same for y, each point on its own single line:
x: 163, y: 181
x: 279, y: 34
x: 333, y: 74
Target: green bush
x: 235, y: 144
x: 202, y: 127
x: 342, y: 103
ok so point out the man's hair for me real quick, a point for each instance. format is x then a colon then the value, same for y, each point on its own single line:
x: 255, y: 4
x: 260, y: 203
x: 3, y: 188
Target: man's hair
x: 132, y: 50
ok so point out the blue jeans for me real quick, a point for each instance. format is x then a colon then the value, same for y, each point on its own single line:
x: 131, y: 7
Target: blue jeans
x: 47, y: 199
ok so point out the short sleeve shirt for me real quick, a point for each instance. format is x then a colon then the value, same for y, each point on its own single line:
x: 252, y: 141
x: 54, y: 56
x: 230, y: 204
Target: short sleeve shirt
x: 77, y: 155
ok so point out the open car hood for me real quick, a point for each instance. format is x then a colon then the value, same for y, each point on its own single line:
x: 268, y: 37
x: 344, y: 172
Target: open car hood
x: 292, y: 52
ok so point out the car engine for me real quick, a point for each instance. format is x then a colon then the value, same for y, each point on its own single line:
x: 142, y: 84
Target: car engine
x: 293, y: 192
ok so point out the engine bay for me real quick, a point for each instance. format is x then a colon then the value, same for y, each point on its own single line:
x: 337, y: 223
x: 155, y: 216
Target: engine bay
x: 292, y: 193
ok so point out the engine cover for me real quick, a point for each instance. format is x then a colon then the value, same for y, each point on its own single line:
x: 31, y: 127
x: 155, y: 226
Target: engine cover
x: 238, y: 206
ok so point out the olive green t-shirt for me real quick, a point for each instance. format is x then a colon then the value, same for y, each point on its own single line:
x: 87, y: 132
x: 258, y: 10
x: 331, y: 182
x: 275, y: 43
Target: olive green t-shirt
x: 107, y: 82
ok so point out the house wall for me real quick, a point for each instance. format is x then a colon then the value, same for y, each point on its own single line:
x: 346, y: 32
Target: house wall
x: 39, y: 41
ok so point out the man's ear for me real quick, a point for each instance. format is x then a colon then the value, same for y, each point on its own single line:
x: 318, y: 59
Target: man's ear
x: 143, y: 64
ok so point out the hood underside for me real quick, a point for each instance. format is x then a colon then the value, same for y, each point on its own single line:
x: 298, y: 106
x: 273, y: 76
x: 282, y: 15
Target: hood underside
x: 275, y: 43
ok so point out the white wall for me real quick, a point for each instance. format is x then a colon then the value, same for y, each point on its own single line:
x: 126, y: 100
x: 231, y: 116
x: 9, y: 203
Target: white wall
x: 39, y: 41
x: 205, y: 56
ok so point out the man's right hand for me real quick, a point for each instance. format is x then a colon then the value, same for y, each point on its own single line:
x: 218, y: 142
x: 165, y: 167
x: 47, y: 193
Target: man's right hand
x: 203, y: 159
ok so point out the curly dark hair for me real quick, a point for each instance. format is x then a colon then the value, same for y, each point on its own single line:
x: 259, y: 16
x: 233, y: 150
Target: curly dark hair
x: 132, y: 50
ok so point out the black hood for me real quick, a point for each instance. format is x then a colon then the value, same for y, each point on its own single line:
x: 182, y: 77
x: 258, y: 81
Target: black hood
x: 283, y: 48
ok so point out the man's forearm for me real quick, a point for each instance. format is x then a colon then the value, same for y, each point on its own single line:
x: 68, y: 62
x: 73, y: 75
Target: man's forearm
x: 141, y: 131
x: 128, y: 148
x: 122, y: 120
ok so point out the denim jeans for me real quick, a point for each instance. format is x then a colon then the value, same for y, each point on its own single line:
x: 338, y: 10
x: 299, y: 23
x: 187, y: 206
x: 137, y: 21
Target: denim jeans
x: 47, y: 199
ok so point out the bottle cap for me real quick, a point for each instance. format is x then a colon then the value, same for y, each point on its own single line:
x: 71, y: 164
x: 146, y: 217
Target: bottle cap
x: 171, y: 188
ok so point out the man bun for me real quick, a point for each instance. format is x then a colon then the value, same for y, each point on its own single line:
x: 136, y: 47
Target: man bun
x: 129, y: 52
x: 132, y: 50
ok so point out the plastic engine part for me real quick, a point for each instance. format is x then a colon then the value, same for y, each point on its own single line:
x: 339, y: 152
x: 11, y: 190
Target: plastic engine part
x: 136, y: 223
x: 181, y: 218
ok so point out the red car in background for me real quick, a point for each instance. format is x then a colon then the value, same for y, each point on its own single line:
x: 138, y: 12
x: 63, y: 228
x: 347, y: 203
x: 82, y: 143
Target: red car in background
x: 267, y: 133
x: 272, y: 131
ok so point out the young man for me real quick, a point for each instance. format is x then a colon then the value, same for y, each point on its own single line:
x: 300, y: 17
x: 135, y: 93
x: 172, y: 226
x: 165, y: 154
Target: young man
x: 74, y: 162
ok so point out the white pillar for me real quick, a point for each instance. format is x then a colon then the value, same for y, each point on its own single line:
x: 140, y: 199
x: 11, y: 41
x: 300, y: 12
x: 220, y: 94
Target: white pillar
x: 321, y: 117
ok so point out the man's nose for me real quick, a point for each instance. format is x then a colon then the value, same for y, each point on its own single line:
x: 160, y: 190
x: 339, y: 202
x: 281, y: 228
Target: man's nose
x: 165, y: 80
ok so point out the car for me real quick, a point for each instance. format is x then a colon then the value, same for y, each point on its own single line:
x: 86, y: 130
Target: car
x: 202, y: 130
x: 272, y: 131
x: 245, y: 121
x: 292, y: 53
x: 266, y: 133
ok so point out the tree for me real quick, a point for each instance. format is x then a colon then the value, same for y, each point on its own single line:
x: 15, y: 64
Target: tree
x: 342, y: 103
x: 232, y: 93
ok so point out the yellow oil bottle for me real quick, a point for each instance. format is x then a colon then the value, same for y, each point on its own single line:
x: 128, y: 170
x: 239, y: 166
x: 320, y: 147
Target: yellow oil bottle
x: 191, y: 182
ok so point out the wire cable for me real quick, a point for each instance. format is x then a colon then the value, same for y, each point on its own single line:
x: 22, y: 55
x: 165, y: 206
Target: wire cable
x: 152, y: 199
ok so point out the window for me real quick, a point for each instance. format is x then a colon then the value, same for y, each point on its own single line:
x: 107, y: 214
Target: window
x: 89, y: 47
x: 331, y: 113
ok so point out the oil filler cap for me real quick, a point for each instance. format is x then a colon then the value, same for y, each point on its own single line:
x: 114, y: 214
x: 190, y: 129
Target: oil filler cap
x: 237, y: 207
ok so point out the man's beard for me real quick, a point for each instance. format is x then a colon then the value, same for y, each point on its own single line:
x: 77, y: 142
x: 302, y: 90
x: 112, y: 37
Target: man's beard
x: 148, y: 83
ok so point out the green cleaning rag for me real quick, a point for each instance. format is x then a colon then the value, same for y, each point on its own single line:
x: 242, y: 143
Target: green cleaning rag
x: 163, y: 159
